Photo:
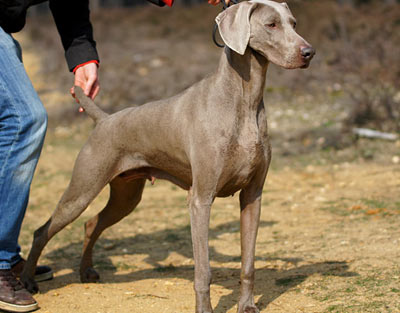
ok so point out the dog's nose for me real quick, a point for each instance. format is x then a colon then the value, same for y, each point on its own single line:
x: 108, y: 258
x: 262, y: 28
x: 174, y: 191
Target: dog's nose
x: 307, y: 52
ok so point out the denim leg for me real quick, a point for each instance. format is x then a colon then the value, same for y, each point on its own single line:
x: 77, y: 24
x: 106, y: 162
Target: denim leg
x: 23, y: 122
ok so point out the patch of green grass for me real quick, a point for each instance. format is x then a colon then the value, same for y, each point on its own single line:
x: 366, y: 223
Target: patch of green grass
x: 335, y: 308
x: 343, y: 207
x: 336, y: 210
x: 375, y: 203
x: 370, y: 282
x: 376, y: 287
x: 329, y: 123
x: 372, y: 307
x: 180, y: 200
x: 121, y: 266
x: 350, y: 289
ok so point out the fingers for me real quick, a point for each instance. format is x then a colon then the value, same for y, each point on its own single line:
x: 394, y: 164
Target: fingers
x: 94, y: 90
x: 86, y: 77
x: 90, y: 85
x: 215, y: 2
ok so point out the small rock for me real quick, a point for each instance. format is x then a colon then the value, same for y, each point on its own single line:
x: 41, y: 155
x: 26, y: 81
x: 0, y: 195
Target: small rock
x: 143, y: 71
x: 108, y: 246
x: 156, y: 63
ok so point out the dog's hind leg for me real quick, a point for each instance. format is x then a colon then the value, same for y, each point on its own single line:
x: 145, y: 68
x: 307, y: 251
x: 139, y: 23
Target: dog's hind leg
x: 124, y: 197
x: 91, y: 173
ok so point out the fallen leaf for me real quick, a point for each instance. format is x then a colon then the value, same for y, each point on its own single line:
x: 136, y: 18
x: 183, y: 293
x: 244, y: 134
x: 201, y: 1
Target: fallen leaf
x: 373, y: 211
x: 357, y: 207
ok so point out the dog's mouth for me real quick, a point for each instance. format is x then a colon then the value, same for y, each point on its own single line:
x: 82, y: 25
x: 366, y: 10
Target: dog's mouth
x: 299, y: 61
x: 306, y: 64
x: 300, y: 64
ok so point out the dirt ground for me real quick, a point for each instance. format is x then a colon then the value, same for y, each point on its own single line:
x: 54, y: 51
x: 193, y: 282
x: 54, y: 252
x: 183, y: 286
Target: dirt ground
x: 329, y: 238
x: 328, y: 242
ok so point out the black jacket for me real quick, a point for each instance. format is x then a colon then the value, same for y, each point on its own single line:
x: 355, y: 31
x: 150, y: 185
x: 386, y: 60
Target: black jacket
x: 72, y: 20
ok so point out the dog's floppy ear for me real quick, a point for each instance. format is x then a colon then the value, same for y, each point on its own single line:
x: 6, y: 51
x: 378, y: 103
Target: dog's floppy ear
x: 285, y: 5
x: 234, y: 25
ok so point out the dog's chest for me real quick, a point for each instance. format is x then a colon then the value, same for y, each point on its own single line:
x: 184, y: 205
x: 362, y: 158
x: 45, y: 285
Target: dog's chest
x: 244, y: 155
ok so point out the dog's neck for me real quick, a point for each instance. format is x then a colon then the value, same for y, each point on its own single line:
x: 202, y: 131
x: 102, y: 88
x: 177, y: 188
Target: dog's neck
x: 243, y: 78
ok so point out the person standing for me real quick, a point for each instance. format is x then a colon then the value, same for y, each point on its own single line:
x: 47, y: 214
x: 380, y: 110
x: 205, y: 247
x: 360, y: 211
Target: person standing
x: 23, y: 122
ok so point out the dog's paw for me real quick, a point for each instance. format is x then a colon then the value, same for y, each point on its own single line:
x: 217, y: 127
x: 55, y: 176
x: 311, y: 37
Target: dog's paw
x: 251, y: 309
x: 89, y: 275
x: 248, y: 309
x: 30, y: 285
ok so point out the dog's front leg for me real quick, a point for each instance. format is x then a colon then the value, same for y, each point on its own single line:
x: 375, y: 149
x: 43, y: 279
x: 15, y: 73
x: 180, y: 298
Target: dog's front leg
x: 250, y: 206
x: 199, y: 207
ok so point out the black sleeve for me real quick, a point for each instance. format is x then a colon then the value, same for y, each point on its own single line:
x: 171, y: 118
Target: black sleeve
x: 73, y: 24
x: 13, y: 15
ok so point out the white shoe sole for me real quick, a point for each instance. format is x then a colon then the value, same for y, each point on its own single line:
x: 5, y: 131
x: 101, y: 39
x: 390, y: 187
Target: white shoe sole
x: 8, y: 307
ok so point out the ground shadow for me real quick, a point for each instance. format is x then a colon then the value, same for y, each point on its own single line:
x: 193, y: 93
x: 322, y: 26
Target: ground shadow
x: 156, y: 245
x: 270, y: 282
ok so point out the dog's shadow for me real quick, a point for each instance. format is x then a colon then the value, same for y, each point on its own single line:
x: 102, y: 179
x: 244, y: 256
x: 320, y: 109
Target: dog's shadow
x: 270, y: 283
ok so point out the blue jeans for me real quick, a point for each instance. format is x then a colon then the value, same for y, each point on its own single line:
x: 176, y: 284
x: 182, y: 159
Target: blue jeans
x: 23, y: 122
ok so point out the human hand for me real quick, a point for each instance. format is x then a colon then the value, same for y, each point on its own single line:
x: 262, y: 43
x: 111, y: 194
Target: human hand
x: 87, y: 78
x: 215, y: 2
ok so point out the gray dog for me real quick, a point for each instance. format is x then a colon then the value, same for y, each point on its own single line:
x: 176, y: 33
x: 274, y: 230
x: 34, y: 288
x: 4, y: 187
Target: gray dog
x: 211, y: 140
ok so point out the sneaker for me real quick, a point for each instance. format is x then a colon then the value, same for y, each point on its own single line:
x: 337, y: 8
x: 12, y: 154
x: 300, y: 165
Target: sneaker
x: 42, y: 272
x: 13, y: 295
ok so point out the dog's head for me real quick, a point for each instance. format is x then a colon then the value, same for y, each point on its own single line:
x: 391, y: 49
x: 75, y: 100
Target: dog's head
x: 268, y: 27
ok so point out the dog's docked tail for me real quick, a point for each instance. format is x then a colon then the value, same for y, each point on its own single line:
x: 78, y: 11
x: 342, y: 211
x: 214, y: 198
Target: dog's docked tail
x: 89, y: 106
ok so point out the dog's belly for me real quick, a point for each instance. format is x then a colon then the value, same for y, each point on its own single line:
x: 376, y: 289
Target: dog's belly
x: 152, y: 173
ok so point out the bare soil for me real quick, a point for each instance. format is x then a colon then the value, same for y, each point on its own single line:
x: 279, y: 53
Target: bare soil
x: 328, y: 242
x: 329, y: 238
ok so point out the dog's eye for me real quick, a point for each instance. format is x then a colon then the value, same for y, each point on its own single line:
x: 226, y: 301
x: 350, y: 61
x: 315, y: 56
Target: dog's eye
x: 272, y: 25
x: 294, y: 25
